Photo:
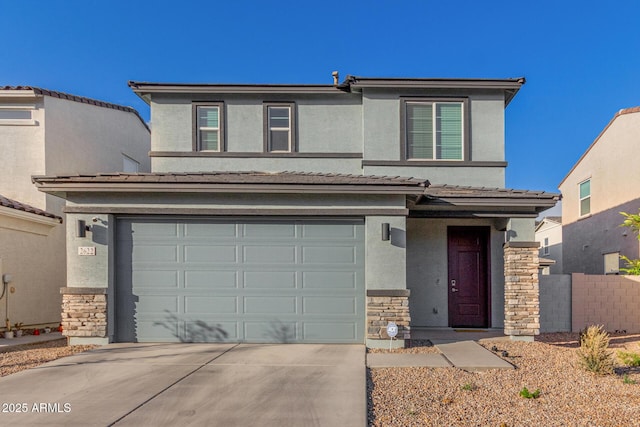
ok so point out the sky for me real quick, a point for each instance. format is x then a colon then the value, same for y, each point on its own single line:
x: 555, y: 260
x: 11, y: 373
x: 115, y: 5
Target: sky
x: 581, y: 59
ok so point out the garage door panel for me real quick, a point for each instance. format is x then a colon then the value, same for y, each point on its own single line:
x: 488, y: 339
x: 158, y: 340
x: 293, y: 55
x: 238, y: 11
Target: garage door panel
x: 269, y: 231
x: 210, y: 253
x: 267, y: 280
x: 207, y: 305
x: 270, y: 305
x: 158, y: 331
x: 208, y: 279
x: 329, y: 280
x: 208, y: 230
x: 156, y: 278
x: 270, y: 279
x: 322, y: 232
x: 328, y: 255
x: 210, y: 331
x: 329, y: 306
x: 155, y: 253
x: 157, y: 304
x: 269, y: 254
x: 271, y: 331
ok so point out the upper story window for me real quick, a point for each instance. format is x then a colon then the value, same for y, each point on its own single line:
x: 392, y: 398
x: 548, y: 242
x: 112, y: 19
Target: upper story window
x: 585, y: 197
x: 279, y: 128
x: 434, y: 130
x: 545, y: 246
x: 208, y: 127
x: 16, y: 116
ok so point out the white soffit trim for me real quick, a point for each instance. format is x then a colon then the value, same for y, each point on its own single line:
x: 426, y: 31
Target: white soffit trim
x: 26, y: 221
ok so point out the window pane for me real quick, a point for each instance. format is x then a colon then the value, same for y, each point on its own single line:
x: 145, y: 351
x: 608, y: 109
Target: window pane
x: 585, y: 206
x: 279, y: 140
x: 449, y: 131
x: 419, y: 131
x: 208, y: 117
x: 585, y: 189
x: 278, y: 117
x: 209, y: 140
x: 15, y: 115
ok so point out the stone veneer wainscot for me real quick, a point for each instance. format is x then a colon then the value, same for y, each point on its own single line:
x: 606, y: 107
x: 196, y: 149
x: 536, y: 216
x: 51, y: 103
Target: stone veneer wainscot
x: 384, y: 306
x: 521, y: 290
x: 84, y: 312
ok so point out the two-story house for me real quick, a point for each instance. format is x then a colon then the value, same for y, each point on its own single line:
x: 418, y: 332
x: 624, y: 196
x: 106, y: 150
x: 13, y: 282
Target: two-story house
x: 604, y: 182
x: 549, y: 235
x: 50, y: 132
x: 306, y: 213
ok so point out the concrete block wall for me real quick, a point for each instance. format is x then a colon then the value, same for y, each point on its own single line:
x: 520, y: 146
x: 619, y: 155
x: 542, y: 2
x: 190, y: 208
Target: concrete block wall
x: 555, y: 303
x: 612, y: 301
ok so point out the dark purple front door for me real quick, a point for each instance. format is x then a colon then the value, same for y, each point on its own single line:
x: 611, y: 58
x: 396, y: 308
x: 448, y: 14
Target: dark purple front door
x: 468, y: 277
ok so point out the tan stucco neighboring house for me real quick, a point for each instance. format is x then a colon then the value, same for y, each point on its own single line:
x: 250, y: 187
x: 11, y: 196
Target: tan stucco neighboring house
x: 44, y: 131
x: 27, y: 259
x: 604, y: 182
x: 549, y: 234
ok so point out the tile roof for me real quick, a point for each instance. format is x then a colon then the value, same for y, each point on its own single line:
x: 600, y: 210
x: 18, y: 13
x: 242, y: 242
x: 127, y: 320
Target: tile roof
x: 26, y: 208
x: 458, y: 191
x: 81, y: 99
x: 235, y: 177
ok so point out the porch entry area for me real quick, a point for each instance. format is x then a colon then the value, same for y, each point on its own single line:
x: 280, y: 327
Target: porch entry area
x: 468, y: 271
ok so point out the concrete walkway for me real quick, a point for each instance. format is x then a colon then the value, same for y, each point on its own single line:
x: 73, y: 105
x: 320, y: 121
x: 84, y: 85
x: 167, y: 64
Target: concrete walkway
x: 457, y: 349
x: 7, y: 344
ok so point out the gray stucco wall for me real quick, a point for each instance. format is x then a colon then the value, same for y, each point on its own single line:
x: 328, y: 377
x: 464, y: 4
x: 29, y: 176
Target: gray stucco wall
x: 84, y: 138
x: 585, y: 241
x: 427, y: 273
x: 555, y: 303
x: 386, y: 260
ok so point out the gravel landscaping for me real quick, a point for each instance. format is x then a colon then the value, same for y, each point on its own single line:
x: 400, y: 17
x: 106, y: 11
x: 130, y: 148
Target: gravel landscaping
x: 568, y: 395
x: 29, y: 356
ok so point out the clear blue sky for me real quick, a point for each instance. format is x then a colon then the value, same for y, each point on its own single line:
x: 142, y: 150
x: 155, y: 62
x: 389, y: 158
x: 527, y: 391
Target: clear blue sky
x: 581, y: 58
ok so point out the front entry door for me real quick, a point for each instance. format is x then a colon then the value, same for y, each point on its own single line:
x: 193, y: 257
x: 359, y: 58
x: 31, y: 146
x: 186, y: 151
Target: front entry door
x: 468, y: 277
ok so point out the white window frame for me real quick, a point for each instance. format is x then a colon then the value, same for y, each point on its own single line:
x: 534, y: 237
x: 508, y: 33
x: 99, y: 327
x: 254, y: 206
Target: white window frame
x: 613, y: 259
x: 197, y: 143
x: 434, y: 103
x: 545, y: 246
x: 18, y: 122
x: 580, y: 198
x: 290, y: 107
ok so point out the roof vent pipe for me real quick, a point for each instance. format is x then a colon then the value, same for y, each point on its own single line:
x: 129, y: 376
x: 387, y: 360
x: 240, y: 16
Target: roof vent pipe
x: 336, y: 77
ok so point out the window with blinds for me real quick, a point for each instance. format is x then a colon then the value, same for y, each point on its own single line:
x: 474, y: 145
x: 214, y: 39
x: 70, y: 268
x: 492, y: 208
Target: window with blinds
x: 209, y: 128
x: 434, y: 130
x: 585, y: 197
x: 279, y: 127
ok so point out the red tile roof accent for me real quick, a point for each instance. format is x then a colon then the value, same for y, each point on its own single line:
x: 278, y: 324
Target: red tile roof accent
x: 75, y: 98
x: 13, y: 204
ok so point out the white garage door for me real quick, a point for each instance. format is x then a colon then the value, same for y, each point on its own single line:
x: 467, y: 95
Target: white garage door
x: 204, y: 280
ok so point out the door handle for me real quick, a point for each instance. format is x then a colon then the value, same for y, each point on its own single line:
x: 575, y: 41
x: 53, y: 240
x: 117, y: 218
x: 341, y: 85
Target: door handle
x: 453, y: 285
x: 454, y: 290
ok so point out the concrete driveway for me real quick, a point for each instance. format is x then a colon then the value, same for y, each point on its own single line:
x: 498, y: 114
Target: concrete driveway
x: 192, y: 384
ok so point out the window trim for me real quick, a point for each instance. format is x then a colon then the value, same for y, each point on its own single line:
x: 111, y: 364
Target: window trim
x: 545, y: 246
x: 293, y: 139
x: 18, y: 107
x: 466, y: 120
x: 580, y: 199
x: 222, y: 140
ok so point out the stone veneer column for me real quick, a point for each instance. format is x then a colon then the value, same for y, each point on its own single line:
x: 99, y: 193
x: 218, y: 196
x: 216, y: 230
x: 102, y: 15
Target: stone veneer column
x: 384, y: 306
x: 521, y: 290
x: 84, y: 312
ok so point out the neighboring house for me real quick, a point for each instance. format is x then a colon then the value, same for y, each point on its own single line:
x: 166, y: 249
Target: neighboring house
x: 287, y: 213
x: 28, y: 257
x: 48, y: 132
x: 603, y: 183
x: 549, y: 235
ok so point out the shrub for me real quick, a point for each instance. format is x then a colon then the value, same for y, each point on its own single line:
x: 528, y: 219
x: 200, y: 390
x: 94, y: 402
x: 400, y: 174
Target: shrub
x: 629, y: 359
x: 594, y: 350
x: 528, y: 395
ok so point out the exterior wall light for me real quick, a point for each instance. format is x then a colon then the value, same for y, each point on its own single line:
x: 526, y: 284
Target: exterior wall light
x: 386, y: 231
